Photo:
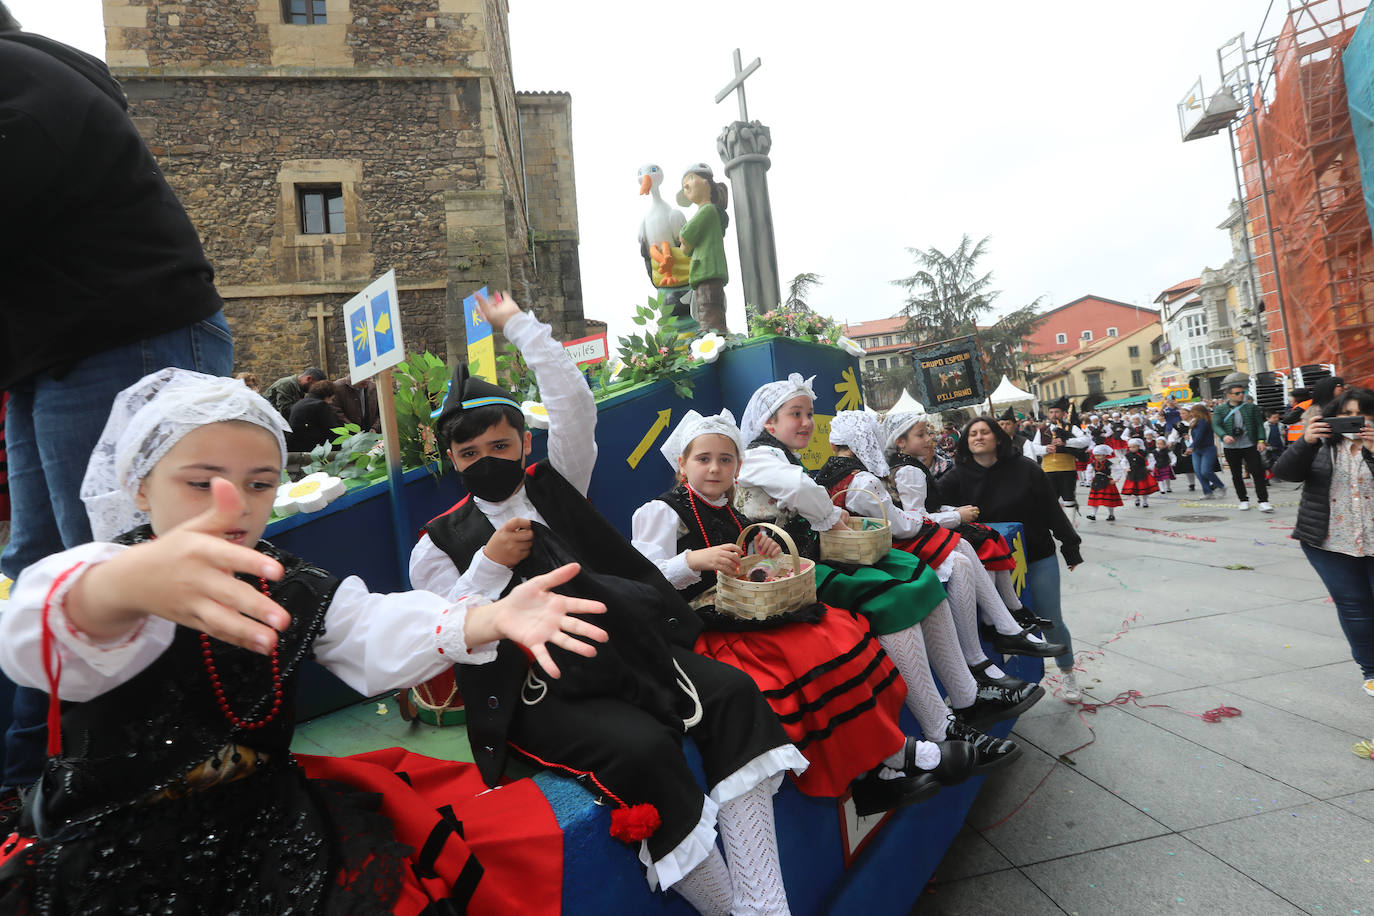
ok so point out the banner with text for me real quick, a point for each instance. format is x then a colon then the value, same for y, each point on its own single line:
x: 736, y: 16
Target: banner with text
x: 950, y: 374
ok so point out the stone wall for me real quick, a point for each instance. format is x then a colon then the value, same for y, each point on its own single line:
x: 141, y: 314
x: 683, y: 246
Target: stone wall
x: 546, y: 132
x: 274, y: 336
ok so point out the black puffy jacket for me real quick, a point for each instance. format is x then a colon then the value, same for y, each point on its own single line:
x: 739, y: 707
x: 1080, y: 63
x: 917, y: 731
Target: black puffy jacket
x: 1308, y: 464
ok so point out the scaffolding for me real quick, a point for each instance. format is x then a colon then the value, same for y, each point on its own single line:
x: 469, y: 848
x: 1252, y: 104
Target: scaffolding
x: 1298, y: 174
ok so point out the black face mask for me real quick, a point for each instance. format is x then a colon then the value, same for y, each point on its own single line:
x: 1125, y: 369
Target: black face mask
x: 492, y: 478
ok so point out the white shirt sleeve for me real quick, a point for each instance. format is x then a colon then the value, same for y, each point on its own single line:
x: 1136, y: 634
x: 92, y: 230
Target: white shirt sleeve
x: 378, y: 642
x: 1033, y: 449
x: 432, y: 570
x: 1078, y: 439
x: 372, y: 642
x: 911, y: 489
x: 572, y: 410
x: 789, y: 486
x: 654, y: 534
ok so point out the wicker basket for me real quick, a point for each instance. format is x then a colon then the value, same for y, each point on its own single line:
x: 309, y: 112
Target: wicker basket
x: 761, y: 600
x: 854, y: 544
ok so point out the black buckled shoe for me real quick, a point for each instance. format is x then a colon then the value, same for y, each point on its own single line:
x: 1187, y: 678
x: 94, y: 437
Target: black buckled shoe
x: 957, y: 760
x: 873, y: 794
x: 995, y: 704
x: 1023, y: 616
x: 1020, y: 644
x: 989, y: 753
x: 980, y: 674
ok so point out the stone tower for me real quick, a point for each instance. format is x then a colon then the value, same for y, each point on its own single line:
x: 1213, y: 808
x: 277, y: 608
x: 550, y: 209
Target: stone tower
x: 318, y: 143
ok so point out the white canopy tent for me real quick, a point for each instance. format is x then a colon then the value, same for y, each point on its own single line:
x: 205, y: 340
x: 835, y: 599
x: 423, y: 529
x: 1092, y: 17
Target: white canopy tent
x: 1008, y: 393
x: 906, y: 403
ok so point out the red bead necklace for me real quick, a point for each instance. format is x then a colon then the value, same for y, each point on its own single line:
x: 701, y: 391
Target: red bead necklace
x: 207, y: 656
x: 692, y: 498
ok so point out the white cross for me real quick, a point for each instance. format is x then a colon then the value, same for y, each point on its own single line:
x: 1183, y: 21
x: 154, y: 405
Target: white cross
x: 738, y: 84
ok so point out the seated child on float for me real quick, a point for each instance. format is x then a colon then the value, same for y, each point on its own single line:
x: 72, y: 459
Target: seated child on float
x: 900, y: 595
x: 170, y: 783
x: 909, y: 449
x: 836, y: 693
x: 858, y: 478
x: 618, y: 721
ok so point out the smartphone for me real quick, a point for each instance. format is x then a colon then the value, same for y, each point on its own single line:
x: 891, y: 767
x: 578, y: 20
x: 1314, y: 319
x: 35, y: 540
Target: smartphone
x: 1345, y: 424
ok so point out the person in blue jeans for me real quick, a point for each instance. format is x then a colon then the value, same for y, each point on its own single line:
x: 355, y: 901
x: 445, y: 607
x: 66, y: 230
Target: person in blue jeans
x: 105, y: 282
x: 1204, y: 451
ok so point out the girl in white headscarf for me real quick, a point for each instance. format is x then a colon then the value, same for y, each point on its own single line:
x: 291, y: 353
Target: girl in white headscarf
x: 175, y: 679
x: 837, y: 694
x: 901, y: 596
x: 859, y: 475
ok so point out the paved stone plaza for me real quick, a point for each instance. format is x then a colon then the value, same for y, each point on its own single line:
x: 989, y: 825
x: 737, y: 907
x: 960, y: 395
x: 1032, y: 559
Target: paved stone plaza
x: 1264, y: 814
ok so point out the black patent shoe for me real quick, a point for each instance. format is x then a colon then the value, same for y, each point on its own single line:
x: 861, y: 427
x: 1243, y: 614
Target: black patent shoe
x: 1019, y: 644
x: 980, y: 674
x: 957, y: 760
x: 989, y: 753
x: 995, y: 704
x: 873, y: 795
x: 1023, y: 616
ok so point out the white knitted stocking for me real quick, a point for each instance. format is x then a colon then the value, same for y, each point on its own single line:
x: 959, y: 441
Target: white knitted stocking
x: 907, y: 649
x: 963, y: 603
x: 707, y: 887
x: 751, y: 849
x: 1008, y: 591
x: 991, y: 607
x: 942, y: 644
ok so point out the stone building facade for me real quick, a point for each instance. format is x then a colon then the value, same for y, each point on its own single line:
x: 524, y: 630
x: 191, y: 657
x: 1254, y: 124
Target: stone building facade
x: 314, y: 155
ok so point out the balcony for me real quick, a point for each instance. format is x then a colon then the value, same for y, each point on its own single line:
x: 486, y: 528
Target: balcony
x: 1220, y: 338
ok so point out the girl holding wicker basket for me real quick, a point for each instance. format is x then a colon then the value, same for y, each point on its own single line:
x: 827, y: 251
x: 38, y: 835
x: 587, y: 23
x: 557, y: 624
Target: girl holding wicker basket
x: 899, y: 594
x: 835, y: 691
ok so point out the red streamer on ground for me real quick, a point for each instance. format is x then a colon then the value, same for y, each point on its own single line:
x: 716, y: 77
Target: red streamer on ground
x: 1125, y: 698
x: 1176, y: 534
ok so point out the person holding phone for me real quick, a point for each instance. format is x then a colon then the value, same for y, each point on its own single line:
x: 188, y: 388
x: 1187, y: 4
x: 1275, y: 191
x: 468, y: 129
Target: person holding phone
x: 1334, y: 461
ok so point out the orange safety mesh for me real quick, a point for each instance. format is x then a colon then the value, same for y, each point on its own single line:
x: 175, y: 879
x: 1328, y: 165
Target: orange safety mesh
x: 1306, y: 160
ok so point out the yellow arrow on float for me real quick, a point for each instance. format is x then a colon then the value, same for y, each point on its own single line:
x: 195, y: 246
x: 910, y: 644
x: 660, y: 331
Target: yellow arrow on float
x: 643, y: 447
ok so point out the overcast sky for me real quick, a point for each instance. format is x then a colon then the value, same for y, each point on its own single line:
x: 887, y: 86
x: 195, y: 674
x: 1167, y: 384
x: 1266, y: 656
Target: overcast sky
x: 1050, y: 127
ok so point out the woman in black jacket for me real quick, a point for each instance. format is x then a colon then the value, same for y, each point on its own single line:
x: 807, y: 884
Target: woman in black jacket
x: 1008, y: 487
x: 1336, y: 517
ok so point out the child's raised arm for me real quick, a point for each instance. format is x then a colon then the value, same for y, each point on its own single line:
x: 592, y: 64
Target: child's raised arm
x: 566, y: 397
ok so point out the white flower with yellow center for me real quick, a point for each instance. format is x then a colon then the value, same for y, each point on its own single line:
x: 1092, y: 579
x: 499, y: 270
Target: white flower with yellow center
x: 309, y: 494
x: 849, y: 346
x: 536, y: 414
x: 707, y: 347
x: 617, y: 367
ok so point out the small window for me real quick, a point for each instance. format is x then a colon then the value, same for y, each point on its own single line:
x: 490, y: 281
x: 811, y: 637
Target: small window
x: 1086, y: 335
x: 1061, y: 338
x: 1133, y: 352
x: 322, y: 209
x: 303, y: 12
x: 882, y: 364
x: 1111, y: 332
x: 1137, y: 379
x: 887, y: 340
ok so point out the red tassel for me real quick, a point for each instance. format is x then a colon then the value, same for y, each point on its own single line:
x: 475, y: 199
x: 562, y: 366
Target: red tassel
x: 637, y: 822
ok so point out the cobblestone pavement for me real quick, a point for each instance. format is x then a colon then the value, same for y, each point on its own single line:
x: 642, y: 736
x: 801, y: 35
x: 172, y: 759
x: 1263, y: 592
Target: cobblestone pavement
x: 1270, y: 812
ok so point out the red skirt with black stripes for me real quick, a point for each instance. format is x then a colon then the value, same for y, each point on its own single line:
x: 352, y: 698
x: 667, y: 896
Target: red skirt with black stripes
x: 834, y: 688
x: 932, y: 543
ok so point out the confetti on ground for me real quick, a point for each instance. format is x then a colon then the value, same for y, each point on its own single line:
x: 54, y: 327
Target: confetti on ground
x: 1176, y: 534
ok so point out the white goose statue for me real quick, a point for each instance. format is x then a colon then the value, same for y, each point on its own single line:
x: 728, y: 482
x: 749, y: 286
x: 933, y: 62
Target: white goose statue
x: 658, y: 233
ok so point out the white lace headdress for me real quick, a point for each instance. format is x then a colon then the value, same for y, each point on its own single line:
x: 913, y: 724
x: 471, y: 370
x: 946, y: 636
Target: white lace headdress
x: 693, y: 425
x: 859, y: 431
x: 146, y: 420
x: 768, y: 399
x: 896, y: 425
x: 1102, y: 450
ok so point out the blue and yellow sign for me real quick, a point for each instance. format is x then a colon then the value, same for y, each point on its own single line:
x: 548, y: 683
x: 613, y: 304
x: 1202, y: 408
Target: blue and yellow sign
x: 374, y: 328
x: 481, y: 344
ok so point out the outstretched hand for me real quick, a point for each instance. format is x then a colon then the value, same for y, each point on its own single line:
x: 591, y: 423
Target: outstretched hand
x: 499, y: 309
x: 536, y: 617
x: 185, y: 576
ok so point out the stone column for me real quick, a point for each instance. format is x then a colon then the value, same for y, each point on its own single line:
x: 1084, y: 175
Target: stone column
x: 743, y: 147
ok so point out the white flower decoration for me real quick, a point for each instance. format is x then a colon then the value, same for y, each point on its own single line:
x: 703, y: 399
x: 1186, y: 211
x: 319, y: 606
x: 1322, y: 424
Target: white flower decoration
x: 707, y: 347
x: 309, y: 494
x: 536, y: 414
x: 617, y: 367
x: 849, y: 346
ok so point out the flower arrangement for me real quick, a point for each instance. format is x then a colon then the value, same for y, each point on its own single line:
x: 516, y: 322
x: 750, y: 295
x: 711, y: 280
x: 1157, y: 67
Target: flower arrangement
x: 794, y: 321
x: 420, y: 385
x: 351, y: 454
x: 667, y: 350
